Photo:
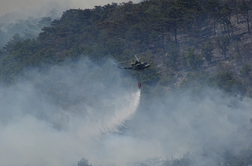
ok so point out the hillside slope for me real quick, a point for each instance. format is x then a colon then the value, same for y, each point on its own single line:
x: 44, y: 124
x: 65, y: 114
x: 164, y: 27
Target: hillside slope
x: 187, y: 43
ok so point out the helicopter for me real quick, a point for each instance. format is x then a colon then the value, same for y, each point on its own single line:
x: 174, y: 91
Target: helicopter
x: 137, y: 65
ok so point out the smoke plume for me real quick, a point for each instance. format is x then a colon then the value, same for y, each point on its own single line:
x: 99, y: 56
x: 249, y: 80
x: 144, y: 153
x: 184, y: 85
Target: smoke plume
x: 64, y: 114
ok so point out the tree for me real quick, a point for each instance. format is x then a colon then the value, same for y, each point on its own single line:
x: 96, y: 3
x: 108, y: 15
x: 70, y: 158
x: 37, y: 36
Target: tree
x: 15, y: 39
x: 234, y: 5
x: 175, y: 17
x: 44, y: 22
x: 173, y: 53
x: 224, y: 16
x: 2, y: 54
x: 191, y: 13
x: 222, y: 43
x: 84, y: 162
x: 228, y: 82
x: 3, y: 38
x: 245, y: 70
x: 194, y: 60
x: 214, y: 7
x: 244, y: 9
x: 207, y: 51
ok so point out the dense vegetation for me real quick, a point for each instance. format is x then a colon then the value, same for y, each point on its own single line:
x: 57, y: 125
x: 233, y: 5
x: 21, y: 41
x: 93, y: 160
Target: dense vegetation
x: 188, y: 43
x: 196, y: 37
x: 225, y: 158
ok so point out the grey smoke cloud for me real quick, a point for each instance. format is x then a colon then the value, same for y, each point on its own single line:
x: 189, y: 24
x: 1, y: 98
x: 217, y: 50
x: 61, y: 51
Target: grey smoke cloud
x: 104, y: 123
x: 23, y: 15
x: 35, y: 129
x: 38, y: 128
x: 38, y: 6
x: 207, y: 123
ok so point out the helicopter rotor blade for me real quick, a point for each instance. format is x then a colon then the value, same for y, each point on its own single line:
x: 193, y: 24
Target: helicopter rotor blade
x: 137, y: 58
x: 122, y: 62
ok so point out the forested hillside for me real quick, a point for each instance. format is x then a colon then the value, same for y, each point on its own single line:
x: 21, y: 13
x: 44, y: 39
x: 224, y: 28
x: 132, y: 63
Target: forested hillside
x: 193, y: 47
x: 197, y: 42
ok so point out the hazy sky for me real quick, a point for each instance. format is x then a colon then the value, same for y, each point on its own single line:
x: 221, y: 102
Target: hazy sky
x: 8, y: 6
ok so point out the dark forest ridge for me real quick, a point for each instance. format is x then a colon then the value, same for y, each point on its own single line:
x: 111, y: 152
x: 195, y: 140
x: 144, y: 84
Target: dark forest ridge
x: 206, y: 40
x: 63, y: 74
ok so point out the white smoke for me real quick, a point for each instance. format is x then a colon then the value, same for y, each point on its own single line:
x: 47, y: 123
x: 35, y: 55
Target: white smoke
x: 209, y: 123
x: 23, y: 9
x: 34, y: 130
x: 80, y: 110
